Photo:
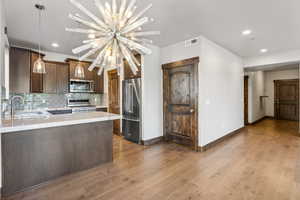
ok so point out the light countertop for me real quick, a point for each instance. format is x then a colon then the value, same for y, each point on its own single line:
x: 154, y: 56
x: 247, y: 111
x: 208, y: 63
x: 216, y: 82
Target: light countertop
x: 47, y: 121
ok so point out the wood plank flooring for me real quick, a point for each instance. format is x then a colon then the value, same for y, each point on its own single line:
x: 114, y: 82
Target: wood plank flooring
x: 262, y: 163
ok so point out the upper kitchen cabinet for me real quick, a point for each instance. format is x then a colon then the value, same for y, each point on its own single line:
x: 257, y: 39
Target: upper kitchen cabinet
x: 21, y: 76
x: 99, y: 82
x: 88, y: 75
x: 62, y: 76
x: 50, y: 79
x: 127, y: 71
x: 56, y: 79
x: 36, y: 80
x: 19, y: 70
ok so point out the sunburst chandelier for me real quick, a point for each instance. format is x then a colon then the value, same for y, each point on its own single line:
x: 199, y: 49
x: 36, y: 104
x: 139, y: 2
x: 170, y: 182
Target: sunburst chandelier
x: 117, y: 35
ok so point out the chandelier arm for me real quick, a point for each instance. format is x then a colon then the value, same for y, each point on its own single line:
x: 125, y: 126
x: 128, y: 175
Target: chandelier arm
x: 106, y: 16
x: 93, y: 51
x: 87, y: 23
x: 135, y: 45
x: 99, y: 57
x: 94, y: 40
x: 82, y: 48
x: 141, y: 13
x: 88, y: 13
x: 135, y: 25
x: 127, y: 55
x: 80, y: 30
x: 100, y: 71
x: 129, y: 8
x: 135, y: 60
x: 143, y: 40
x: 115, y: 50
x: 114, y: 7
x: 145, y: 33
x: 122, y: 9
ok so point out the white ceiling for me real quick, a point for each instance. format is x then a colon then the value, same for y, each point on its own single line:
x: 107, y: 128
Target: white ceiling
x: 275, y: 23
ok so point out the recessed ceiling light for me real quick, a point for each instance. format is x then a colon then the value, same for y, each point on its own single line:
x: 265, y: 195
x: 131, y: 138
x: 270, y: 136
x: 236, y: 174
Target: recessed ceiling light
x: 91, y: 36
x: 264, y: 50
x: 55, y: 45
x: 247, y: 32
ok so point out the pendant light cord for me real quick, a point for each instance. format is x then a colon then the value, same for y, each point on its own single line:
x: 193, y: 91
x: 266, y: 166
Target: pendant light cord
x: 40, y: 33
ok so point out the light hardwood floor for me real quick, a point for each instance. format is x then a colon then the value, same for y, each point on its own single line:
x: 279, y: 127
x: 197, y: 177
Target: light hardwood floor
x: 262, y: 163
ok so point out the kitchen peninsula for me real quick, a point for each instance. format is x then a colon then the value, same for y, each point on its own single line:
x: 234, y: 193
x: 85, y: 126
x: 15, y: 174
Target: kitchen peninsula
x: 37, y: 150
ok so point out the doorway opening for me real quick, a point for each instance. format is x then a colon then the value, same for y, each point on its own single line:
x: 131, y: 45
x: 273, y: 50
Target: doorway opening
x: 272, y: 93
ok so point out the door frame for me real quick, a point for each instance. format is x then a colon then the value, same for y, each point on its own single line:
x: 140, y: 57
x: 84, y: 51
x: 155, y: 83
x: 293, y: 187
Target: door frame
x: 109, y: 73
x: 276, y: 114
x: 191, y: 61
x: 246, y: 100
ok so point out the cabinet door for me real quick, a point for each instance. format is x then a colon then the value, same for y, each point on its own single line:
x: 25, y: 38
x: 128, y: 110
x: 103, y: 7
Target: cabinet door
x: 36, y: 80
x: 98, y: 82
x: 89, y: 75
x: 62, y: 76
x: 49, y: 79
x: 19, y: 70
x: 127, y: 71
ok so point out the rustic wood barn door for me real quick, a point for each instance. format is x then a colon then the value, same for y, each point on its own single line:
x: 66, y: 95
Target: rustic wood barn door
x: 180, y: 80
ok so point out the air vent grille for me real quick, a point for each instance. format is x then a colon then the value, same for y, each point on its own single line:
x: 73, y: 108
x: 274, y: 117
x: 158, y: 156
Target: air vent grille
x: 191, y: 42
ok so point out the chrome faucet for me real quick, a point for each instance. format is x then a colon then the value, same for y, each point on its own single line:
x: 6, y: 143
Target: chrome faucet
x: 12, y: 109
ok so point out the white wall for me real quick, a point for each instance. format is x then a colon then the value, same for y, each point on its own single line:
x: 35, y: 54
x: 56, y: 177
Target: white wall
x: 256, y: 89
x: 220, y: 87
x: 280, y: 58
x: 221, y: 92
x: 270, y: 76
x: 152, y: 101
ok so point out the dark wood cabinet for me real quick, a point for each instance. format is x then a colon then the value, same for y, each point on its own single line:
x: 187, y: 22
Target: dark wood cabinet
x: 101, y: 109
x: 99, y: 82
x: 88, y: 75
x: 22, y: 78
x: 50, y: 79
x: 127, y: 71
x: 56, y: 79
x: 36, y: 80
x: 62, y: 75
x: 19, y: 70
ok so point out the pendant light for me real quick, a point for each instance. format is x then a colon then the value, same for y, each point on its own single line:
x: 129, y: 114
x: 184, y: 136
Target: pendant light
x: 39, y: 64
x: 79, y: 70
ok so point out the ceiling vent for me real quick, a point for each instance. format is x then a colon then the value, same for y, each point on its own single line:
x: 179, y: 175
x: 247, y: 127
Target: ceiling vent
x: 192, y: 42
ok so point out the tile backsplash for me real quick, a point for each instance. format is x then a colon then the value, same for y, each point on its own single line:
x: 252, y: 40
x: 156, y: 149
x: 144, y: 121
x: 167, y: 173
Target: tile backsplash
x: 35, y: 101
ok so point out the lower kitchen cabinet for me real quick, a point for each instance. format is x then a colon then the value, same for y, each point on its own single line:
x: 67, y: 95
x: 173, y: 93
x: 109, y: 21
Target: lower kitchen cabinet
x: 101, y: 109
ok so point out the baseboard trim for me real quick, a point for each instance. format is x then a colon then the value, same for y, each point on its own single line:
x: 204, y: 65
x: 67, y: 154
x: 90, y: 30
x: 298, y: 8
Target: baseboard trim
x: 152, y: 141
x: 261, y: 119
x: 220, y: 140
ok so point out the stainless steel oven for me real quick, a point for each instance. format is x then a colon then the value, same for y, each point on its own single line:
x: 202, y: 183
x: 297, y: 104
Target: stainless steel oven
x: 81, y: 86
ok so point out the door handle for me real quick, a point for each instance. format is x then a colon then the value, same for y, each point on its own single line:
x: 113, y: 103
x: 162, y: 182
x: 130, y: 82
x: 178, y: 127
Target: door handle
x: 192, y: 110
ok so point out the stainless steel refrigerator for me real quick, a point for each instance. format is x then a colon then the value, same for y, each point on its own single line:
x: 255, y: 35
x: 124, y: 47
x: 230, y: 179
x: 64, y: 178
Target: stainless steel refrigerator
x: 131, y: 122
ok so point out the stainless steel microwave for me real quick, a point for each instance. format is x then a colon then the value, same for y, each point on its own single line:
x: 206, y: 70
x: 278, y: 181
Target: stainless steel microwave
x: 81, y: 86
